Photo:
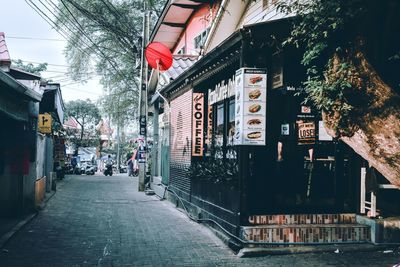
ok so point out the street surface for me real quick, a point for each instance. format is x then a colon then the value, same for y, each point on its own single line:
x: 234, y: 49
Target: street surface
x: 105, y: 221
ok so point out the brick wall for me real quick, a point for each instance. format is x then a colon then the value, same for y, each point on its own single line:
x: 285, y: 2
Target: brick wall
x: 181, y: 140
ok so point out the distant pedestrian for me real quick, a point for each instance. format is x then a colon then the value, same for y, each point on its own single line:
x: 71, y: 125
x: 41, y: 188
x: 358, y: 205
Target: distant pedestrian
x: 135, y: 158
x: 130, y: 166
x: 109, y: 161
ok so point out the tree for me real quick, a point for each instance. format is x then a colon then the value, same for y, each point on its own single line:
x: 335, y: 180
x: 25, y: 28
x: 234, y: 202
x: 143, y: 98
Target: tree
x: 104, y: 37
x: 87, y: 115
x: 19, y: 64
x: 352, y: 56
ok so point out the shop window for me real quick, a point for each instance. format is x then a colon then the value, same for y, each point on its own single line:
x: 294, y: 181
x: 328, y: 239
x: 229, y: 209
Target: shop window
x: 224, y: 129
x: 231, y: 122
x: 219, y: 129
x: 200, y: 39
x: 182, y: 51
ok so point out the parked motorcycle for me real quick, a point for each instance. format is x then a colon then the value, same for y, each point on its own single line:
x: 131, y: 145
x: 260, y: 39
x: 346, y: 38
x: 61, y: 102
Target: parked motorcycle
x: 108, y: 170
x: 90, y: 170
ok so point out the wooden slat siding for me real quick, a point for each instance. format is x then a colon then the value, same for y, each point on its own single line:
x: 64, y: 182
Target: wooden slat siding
x: 256, y: 13
x: 181, y: 140
x: 254, y: 10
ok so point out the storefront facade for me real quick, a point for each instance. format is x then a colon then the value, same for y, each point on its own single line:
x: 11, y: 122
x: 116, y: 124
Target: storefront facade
x: 266, y: 153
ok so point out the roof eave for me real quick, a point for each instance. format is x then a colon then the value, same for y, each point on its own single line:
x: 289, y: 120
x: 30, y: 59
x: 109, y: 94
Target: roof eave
x: 229, y: 42
x: 19, y: 88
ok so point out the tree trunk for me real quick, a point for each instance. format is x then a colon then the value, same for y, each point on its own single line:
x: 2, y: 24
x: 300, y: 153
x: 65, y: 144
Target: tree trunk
x: 376, y: 134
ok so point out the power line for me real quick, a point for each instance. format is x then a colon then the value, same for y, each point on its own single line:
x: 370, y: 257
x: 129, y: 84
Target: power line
x: 62, y: 32
x: 35, y: 62
x: 79, y: 90
x: 35, y: 38
x: 80, y: 28
x: 67, y: 36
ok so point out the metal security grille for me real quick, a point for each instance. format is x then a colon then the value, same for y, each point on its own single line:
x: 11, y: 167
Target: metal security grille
x: 181, y: 140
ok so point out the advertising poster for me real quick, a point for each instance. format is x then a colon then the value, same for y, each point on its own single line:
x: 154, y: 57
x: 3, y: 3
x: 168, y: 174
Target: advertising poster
x: 250, y: 106
x: 306, y: 132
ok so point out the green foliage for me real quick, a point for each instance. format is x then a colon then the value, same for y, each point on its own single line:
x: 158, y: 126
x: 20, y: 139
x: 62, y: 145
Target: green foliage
x: 19, y: 64
x: 105, y: 39
x: 87, y: 115
x: 332, y: 29
x: 215, y: 169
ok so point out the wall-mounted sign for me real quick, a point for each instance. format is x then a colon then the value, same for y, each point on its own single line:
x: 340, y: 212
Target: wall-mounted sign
x: 250, y: 106
x: 141, y: 156
x: 322, y: 133
x: 142, y: 124
x: 198, y: 124
x: 305, y: 109
x: 222, y: 91
x: 306, y: 132
x: 44, y: 123
x: 209, y: 125
x: 285, y: 129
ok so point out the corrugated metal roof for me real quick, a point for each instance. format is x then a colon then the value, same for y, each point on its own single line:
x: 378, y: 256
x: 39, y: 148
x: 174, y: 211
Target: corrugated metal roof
x: 4, y: 55
x: 179, y: 65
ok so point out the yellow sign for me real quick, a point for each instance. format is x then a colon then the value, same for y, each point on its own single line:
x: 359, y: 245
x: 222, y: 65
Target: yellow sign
x: 44, y: 123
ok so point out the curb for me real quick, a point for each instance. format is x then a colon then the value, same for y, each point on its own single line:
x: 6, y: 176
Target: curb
x: 43, y: 205
x: 339, y: 249
x: 229, y: 242
x: 7, y: 236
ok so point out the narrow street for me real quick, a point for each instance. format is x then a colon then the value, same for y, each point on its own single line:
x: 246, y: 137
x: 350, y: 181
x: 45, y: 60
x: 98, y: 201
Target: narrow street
x: 105, y: 221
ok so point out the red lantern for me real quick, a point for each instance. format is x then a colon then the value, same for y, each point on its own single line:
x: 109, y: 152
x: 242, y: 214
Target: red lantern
x: 158, y: 56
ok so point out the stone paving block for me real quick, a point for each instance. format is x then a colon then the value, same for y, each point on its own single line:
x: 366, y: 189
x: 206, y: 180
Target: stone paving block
x: 99, y: 221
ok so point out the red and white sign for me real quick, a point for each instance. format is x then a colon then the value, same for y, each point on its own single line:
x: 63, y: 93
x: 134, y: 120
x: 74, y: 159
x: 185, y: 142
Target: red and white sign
x: 198, y: 125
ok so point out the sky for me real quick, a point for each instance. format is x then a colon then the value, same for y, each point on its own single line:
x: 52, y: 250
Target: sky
x: 24, y: 31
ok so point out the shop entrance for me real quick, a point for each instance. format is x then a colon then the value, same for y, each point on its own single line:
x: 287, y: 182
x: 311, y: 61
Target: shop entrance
x: 300, y: 172
x: 299, y: 185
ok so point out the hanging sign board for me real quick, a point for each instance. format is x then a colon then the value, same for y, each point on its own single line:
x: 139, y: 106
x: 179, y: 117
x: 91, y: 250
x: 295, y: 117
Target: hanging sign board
x: 250, y: 106
x: 198, y: 124
x: 44, y: 123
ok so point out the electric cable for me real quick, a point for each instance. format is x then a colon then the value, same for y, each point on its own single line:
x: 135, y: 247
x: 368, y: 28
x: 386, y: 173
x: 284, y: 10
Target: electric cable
x: 54, y: 25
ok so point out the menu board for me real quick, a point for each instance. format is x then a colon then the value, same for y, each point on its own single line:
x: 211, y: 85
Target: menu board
x: 250, y: 106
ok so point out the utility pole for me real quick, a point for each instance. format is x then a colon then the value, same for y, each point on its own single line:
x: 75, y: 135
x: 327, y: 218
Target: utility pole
x: 143, y: 101
x: 118, y: 146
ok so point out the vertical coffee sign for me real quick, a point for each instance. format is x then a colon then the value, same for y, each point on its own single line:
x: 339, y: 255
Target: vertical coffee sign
x: 198, y: 124
x: 250, y: 104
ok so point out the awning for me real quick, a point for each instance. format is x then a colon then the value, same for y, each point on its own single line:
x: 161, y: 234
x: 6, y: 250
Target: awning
x: 14, y: 98
x: 52, y: 102
x: 173, y: 21
x: 10, y: 84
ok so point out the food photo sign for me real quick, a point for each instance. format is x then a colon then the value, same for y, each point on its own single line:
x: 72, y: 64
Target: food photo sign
x: 250, y: 106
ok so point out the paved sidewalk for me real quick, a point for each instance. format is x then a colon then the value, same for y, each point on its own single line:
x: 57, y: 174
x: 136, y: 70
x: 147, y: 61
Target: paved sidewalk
x: 104, y: 221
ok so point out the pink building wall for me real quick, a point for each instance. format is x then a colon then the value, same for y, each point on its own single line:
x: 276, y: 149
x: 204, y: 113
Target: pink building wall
x: 199, y: 22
